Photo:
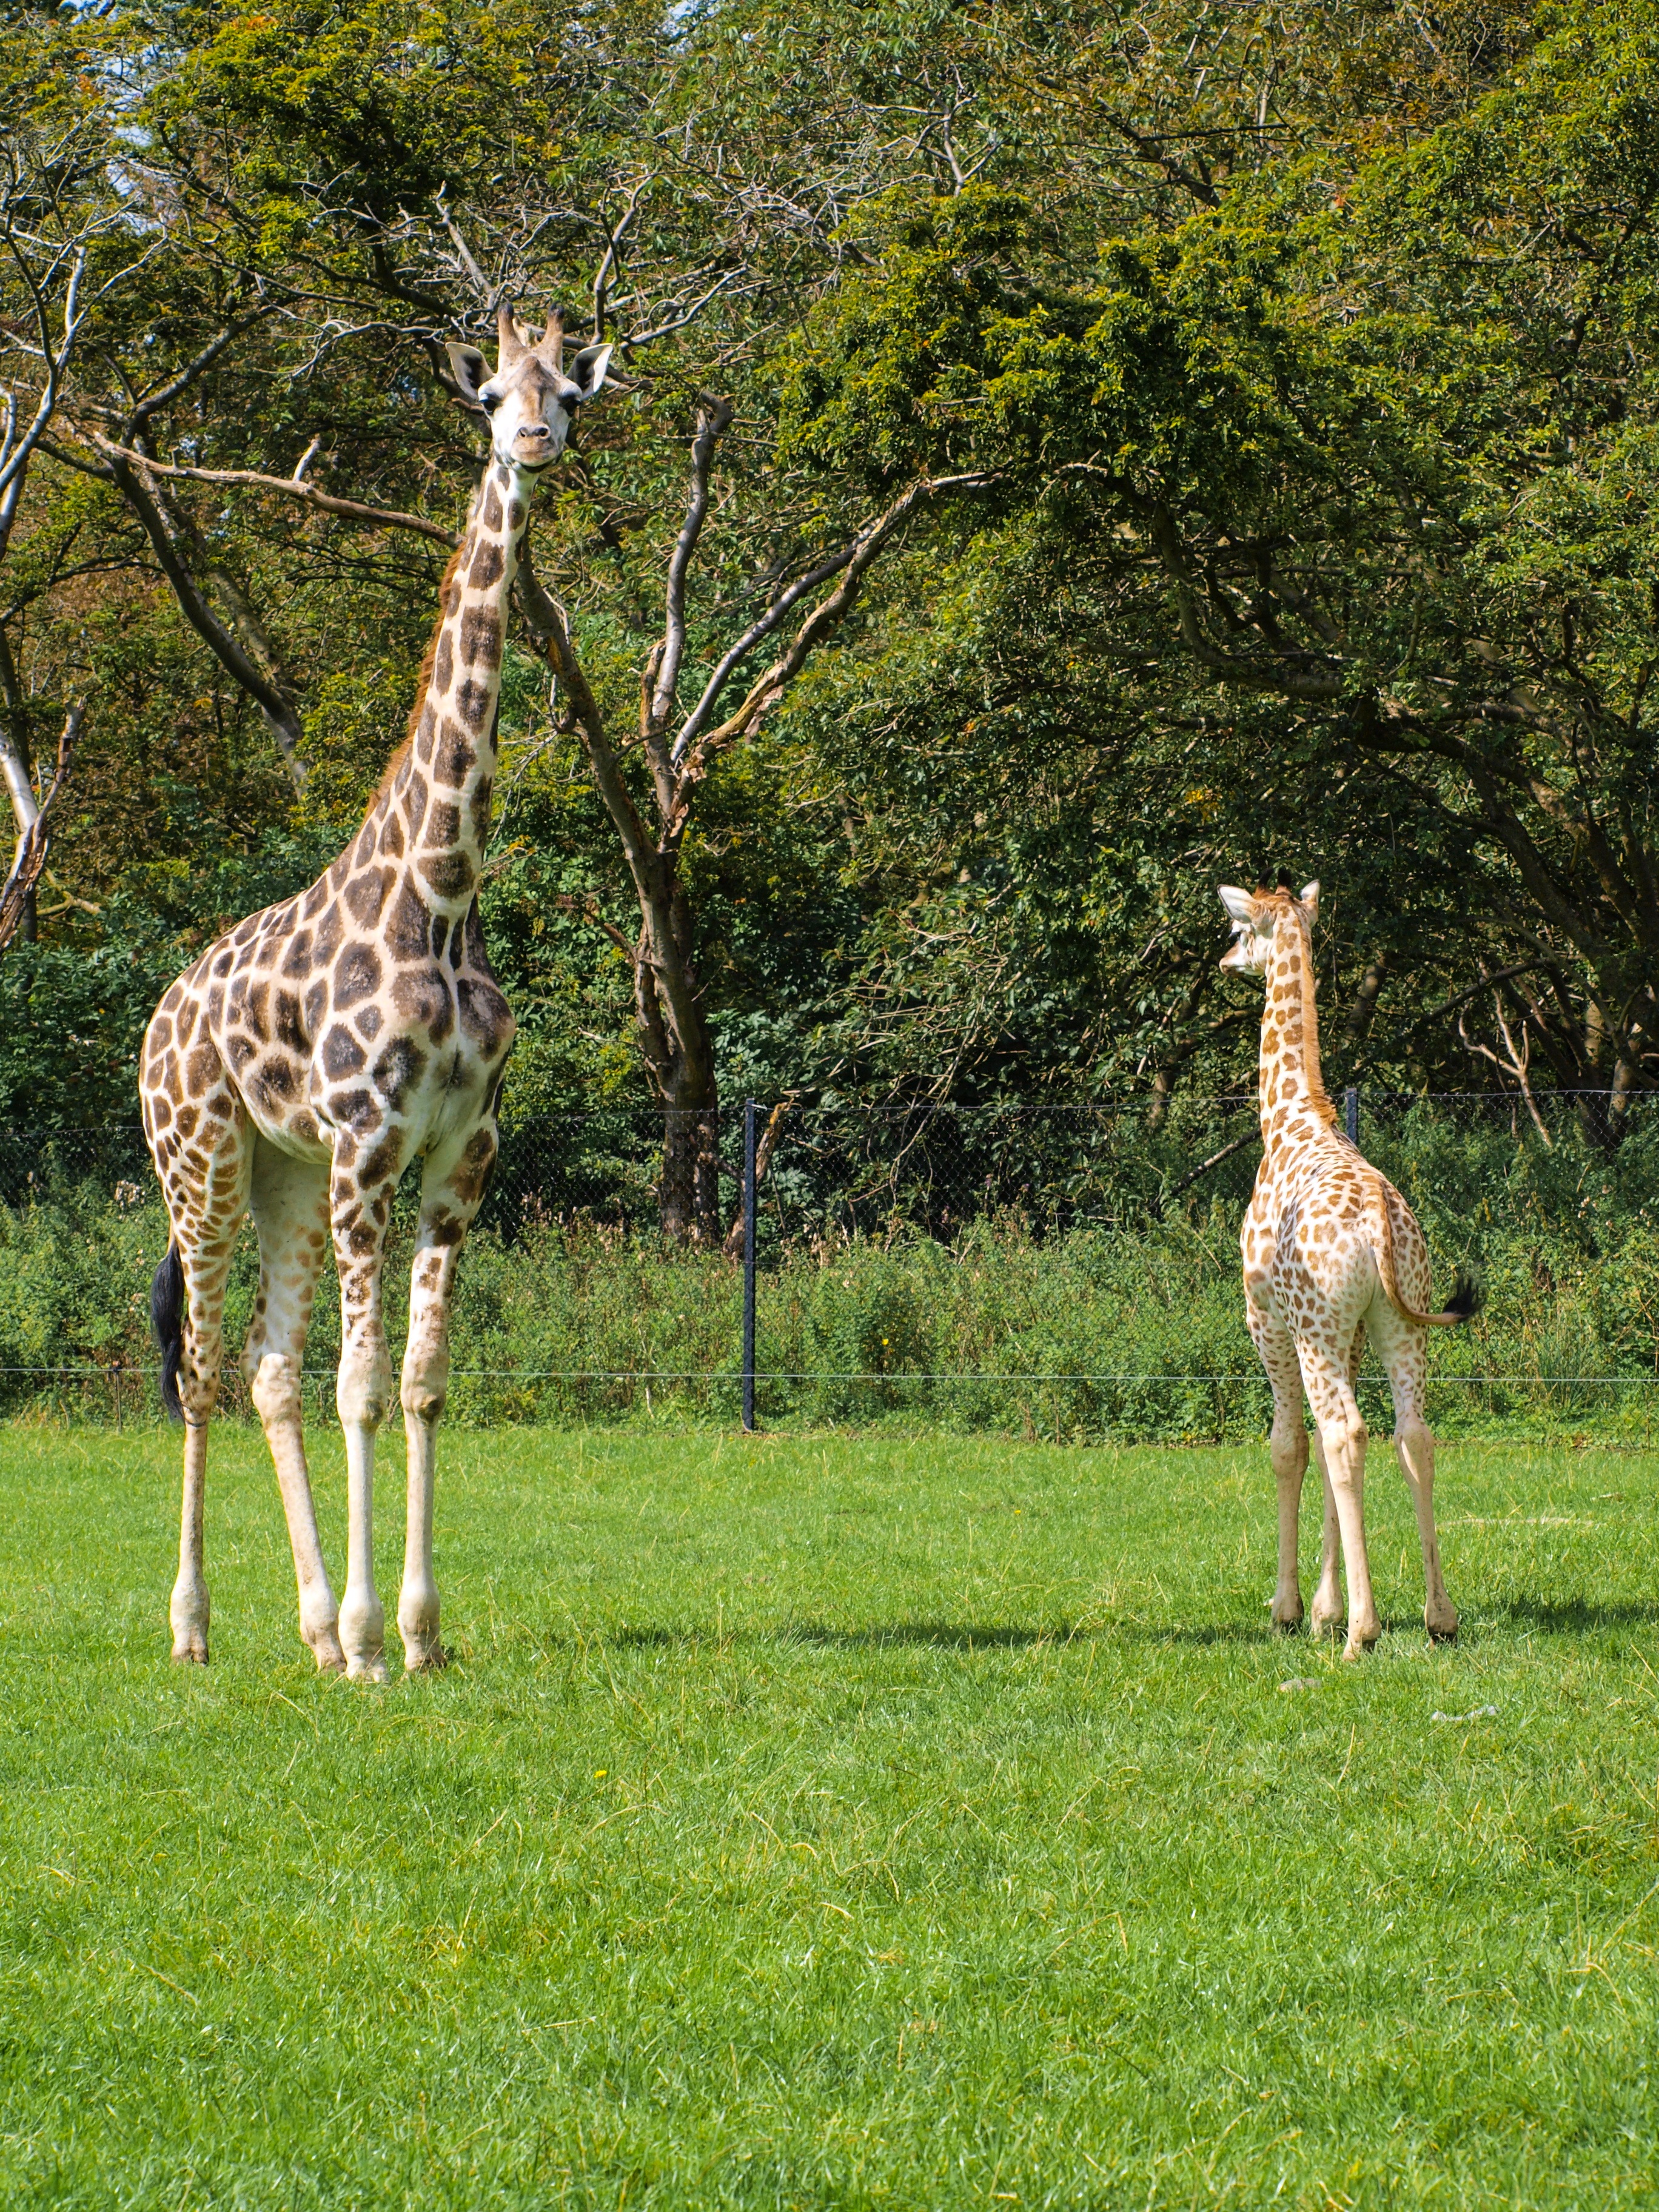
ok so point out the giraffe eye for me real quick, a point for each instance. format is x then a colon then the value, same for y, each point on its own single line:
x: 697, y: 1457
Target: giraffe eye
x: 489, y: 401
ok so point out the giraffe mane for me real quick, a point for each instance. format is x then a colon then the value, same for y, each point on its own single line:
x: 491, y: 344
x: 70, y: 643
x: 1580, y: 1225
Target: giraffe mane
x: 423, y: 680
x: 1318, y: 1096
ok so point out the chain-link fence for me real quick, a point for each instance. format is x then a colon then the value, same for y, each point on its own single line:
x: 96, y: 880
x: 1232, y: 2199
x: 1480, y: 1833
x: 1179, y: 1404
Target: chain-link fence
x: 1067, y: 1272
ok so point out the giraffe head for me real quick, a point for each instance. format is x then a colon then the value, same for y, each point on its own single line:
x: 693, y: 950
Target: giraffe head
x: 534, y: 392
x: 1255, y: 918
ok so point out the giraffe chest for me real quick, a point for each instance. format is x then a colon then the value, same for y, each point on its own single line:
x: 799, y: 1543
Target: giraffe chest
x: 329, y: 1032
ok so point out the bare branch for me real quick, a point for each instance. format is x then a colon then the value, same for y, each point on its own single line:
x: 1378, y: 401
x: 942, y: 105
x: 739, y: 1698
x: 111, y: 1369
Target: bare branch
x: 754, y: 635
x: 487, y: 292
x: 17, y: 451
x: 636, y: 339
x: 280, y: 715
x: 153, y: 402
x: 694, y: 745
x: 32, y: 845
x: 612, y: 245
x: 294, y: 487
x: 712, y: 418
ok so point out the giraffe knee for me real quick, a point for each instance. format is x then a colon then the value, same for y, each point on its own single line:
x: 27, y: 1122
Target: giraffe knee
x: 1288, y: 1448
x: 1343, y: 1440
x: 1414, y: 1442
x: 364, y: 1392
x: 273, y: 1387
x: 426, y: 1388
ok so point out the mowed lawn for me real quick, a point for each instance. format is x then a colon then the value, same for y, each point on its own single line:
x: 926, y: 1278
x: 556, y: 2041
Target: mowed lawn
x: 829, y: 1822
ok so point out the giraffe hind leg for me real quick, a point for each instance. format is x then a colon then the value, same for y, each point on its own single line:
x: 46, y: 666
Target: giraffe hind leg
x: 1342, y: 1435
x: 1403, y: 1350
x: 1330, y: 1607
x: 204, y: 1176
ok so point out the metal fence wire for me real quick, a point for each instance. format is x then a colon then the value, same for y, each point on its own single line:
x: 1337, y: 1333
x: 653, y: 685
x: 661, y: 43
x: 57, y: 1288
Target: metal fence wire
x: 1061, y: 1270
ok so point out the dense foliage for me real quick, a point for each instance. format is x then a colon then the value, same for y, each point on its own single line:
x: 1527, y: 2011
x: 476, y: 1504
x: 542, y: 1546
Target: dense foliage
x: 1295, y: 367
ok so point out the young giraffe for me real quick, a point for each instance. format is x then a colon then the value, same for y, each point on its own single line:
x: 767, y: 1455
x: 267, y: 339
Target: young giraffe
x: 309, y: 1057
x: 1330, y: 1249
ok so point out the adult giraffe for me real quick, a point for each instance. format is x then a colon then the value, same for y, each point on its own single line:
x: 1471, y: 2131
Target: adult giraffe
x: 309, y: 1057
x: 1330, y: 1249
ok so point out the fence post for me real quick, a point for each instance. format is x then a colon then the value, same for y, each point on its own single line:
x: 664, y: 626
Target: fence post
x: 750, y: 1112
x: 1350, y: 1112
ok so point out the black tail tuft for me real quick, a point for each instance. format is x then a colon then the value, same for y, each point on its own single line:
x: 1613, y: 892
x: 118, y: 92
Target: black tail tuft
x: 1467, y: 1296
x: 166, y: 1321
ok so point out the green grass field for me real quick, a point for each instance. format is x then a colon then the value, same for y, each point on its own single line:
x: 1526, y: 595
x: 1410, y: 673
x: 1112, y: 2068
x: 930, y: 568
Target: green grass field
x: 829, y: 1822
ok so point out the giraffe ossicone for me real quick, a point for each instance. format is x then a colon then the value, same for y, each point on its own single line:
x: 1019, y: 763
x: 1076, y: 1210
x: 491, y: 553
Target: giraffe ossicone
x: 1331, y: 1250
x: 306, y: 1059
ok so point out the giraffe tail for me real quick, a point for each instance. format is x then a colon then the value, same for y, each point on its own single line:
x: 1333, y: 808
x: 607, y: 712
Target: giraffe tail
x: 166, y: 1321
x: 1464, y: 1302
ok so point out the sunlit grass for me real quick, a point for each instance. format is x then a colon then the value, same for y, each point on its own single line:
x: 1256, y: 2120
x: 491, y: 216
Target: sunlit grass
x: 829, y: 1822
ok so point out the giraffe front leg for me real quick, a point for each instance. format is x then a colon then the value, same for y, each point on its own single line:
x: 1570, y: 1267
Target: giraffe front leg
x: 451, y: 1192
x: 425, y: 1385
x: 363, y: 1397
x: 290, y: 1201
x: 1288, y: 1446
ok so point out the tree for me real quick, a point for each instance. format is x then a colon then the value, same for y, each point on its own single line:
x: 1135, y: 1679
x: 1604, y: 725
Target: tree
x: 1359, y: 483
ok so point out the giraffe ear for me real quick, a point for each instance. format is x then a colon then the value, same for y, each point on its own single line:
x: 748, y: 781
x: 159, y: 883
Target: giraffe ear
x: 1311, y: 899
x: 586, y: 369
x: 469, y: 368
x: 1240, y: 906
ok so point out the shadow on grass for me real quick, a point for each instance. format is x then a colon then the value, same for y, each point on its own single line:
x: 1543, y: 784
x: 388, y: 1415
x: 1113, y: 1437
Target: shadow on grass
x: 1568, y: 1617
x: 1571, y: 1616
x: 941, y: 1635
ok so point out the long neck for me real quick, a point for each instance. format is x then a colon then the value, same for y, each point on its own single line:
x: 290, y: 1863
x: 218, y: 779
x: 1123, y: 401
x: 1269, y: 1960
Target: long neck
x: 443, y: 783
x: 1291, y: 1091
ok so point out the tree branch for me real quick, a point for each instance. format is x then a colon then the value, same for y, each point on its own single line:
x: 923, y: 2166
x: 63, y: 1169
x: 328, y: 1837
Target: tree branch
x: 695, y: 744
x: 281, y: 716
x: 32, y: 847
x: 712, y: 418
x: 294, y: 487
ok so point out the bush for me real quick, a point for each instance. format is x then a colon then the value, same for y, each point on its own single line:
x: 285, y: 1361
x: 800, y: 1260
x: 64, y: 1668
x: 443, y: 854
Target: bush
x: 1133, y: 1331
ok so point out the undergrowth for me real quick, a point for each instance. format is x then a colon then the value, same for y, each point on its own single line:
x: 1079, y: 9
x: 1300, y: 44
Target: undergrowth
x: 1131, y: 1330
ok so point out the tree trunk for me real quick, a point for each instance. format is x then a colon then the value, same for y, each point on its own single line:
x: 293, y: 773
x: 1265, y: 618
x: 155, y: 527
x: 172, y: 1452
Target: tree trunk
x: 688, y: 1197
x: 680, y: 1058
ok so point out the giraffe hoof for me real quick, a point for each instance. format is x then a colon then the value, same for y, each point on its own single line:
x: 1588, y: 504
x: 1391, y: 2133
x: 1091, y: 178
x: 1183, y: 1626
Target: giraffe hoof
x: 330, y: 1659
x: 423, y: 1651
x: 190, y: 1648
x: 1442, y: 1635
x: 361, y: 1667
x: 1326, y: 1626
